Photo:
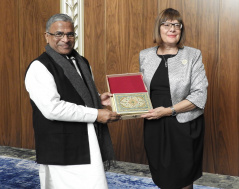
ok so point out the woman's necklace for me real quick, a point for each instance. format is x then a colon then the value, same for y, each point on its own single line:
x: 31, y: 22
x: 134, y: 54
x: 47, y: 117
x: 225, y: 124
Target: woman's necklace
x: 162, y: 51
x: 166, y: 61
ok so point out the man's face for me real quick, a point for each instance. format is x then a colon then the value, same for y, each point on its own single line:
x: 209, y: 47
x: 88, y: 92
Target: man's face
x: 61, y: 45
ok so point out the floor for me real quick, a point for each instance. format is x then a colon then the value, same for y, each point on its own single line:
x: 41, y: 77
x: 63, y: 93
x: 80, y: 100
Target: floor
x: 208, y: 179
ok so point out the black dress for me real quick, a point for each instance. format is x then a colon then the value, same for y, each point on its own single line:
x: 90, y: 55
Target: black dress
x: 174, y: 150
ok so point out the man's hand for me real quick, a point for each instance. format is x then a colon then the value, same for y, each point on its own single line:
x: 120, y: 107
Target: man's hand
x: 106, y: 116
x: 105, y: 99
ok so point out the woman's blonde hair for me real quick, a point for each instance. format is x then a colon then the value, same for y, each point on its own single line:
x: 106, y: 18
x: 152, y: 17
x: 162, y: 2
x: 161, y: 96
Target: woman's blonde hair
x: 168, y: 14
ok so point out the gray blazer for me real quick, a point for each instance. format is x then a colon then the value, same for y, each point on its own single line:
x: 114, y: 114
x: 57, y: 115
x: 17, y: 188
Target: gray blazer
x: 187, y: 78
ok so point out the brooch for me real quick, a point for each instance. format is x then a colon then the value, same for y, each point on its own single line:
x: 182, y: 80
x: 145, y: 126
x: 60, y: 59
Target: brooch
x: 184, y: 62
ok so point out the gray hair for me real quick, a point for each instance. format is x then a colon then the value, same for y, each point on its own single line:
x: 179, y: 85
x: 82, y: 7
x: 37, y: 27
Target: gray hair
x: 58, y: 17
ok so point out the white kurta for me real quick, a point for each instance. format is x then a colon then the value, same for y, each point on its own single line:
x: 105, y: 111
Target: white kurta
x: 42, y: 90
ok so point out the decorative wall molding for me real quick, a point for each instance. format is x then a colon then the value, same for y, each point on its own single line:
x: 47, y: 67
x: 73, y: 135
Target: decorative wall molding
x: 75, y: 9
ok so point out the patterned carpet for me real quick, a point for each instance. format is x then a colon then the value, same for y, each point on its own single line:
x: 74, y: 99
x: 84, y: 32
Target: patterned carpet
x: 23, y: 174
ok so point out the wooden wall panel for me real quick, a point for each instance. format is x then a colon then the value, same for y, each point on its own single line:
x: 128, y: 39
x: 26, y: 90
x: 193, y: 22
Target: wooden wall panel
x: 22, y: 41
x: 150, y: 13
x: 33, y: 15
x: 10, y: 117
x: 124, y: 38
x: 94, y: 30
x: 115, y: 32
x: 228, y: 130
x: 126, y: 35
x: 114, y: 35
x: 207, y: 25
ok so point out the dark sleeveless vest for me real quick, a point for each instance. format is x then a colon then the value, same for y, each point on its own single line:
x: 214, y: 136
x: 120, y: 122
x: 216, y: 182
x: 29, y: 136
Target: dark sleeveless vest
x: 59, y: 142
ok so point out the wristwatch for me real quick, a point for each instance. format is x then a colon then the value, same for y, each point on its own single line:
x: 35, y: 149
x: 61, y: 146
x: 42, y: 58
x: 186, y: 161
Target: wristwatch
x: 174, y: 113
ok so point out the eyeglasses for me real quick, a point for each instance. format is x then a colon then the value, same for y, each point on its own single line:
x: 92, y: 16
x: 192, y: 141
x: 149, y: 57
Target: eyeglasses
x: 168, y: 25
x: 60, y: 35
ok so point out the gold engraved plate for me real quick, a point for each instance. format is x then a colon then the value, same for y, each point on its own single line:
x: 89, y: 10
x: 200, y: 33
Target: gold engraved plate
x: 127, y: 103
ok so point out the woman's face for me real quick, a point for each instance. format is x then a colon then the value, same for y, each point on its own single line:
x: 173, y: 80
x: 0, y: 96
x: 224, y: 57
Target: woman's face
x: 170, y: 32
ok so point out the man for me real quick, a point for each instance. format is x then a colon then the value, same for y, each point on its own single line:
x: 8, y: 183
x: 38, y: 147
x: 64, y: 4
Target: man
x: 71, y: 136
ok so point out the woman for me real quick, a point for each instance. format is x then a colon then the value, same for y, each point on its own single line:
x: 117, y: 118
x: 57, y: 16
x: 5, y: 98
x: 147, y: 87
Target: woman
x: 174, y: 130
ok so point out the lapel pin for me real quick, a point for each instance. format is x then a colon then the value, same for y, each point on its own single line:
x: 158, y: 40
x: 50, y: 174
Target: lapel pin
x: 184, y: 62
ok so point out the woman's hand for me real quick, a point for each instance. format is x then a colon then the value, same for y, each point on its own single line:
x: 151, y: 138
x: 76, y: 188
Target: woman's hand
x: 157, y: 113
x: 105, y: 99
